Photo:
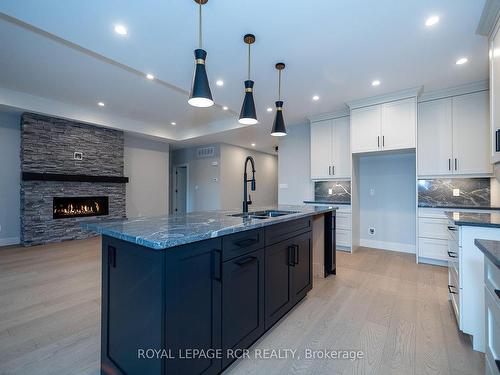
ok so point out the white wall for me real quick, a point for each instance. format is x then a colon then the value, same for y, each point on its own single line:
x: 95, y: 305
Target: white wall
x: 10, y: 170
x: 294, y: 166
x: 387, y: 201
x: 231, y: 177
x: 147, y: 165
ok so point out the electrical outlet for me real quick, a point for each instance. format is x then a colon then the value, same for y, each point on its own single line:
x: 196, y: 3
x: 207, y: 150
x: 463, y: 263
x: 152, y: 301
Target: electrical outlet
x: 371, y: 231
x: 372, y: 192
x: 456, y: 192
x: 330, y: 191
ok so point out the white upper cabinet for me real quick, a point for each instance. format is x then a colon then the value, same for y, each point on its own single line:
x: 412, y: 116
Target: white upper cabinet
x: 435, y: 147
x: 454, y: 136
x: 471, y: 134
x: 398, y: 124
x: 330, y: 155
x: 365, y: 129
x: 495, y: 91
x: 384, y: 127
x: 321, y: 149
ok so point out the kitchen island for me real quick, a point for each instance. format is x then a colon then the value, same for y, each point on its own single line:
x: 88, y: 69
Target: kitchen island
x: 185, y: 294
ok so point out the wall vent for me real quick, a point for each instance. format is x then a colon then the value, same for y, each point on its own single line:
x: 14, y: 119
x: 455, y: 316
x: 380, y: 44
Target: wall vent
x: 205, y: 152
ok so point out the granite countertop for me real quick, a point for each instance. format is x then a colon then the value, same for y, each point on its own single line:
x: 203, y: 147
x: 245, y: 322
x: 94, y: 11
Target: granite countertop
x: 491, y: 250
x: 458, y: 207
x: 326, y: 202
x: 173, y: 230
x: 475, y: 219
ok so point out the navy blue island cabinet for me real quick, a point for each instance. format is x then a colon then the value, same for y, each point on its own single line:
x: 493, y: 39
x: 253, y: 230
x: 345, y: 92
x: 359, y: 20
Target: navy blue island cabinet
x: 190, y: 309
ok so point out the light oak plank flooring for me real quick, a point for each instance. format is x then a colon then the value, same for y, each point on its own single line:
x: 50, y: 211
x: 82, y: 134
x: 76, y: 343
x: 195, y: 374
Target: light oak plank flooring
x: 381, y: 303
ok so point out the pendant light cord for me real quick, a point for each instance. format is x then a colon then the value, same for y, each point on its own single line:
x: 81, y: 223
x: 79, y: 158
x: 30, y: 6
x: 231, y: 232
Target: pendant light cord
x: 200, y: 35
x: 279, y: 85
x: 249, y: 61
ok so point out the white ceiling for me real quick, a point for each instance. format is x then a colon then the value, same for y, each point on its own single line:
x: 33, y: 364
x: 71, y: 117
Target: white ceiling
x: 332, y: 48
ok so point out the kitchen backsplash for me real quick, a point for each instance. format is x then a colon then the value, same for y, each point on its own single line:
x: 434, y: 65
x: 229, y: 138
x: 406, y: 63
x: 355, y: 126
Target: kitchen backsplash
x: 460, y: 192
x: 333, y: 191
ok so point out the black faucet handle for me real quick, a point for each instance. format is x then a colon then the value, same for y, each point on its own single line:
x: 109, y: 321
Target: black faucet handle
x: 249, y: 201
x: 252, y: 185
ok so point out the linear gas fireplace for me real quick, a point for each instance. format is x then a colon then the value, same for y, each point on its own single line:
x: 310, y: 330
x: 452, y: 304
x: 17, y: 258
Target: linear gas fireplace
x: 65, y: 207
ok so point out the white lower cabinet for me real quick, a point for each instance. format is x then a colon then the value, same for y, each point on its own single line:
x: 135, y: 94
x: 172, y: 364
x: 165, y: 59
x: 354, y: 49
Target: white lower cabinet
x: 343, y: 228
x: 492, y: 316
x: 432, y: 248
x: 432, y: 236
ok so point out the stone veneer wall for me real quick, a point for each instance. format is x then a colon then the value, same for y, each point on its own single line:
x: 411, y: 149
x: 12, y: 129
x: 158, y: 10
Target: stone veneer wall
x: 47, y: 146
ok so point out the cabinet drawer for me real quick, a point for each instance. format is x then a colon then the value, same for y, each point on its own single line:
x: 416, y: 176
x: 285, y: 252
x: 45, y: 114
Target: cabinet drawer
x: 280, y: 232
x: 241, y: 243
x: 343, y: 221
x: 492, y: 280
x: 433, y: 248
x: 492, y: 330
x: 433, y: 228
x: 454, y: 295
x: 343, y: 237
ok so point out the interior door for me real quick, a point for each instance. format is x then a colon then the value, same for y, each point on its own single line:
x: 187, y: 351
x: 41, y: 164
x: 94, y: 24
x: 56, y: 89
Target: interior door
x: 471, y: 130
x: 435, y: 139
x: 365, y: 129
x: 341, y: 149
x: 321, y: 149
x: 398, y: 124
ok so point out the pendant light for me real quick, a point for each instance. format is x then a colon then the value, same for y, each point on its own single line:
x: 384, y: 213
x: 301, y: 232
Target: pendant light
x: 248, y: 115
x: 200, y: 93
x: 279, y: 129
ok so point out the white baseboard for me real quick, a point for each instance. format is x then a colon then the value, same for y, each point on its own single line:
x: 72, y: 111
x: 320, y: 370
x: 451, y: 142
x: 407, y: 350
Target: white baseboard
x: 7, y: 241
x: 392, y: 246
x: 434, y: 262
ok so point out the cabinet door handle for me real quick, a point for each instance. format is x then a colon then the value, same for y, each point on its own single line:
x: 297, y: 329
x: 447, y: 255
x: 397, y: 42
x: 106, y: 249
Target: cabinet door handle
x: 217, y: 264
x: 296, y: 251
x: 112, y: 256
x: 291, y: 255
x: 452, y: 254
x: 330, y: 170
x: 246, y: 261
x: 333, y: 170
x: 453, y: 229
x: 383, y: 141
x: 449, y: 164
x: 456, y: 162
x: 378, y: 140
x: 247, y: 242
x: 449, y: 289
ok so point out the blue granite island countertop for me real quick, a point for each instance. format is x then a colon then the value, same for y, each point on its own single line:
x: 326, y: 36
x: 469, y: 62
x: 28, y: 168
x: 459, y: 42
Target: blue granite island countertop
x: 475, y: 219
x: 173, y: 230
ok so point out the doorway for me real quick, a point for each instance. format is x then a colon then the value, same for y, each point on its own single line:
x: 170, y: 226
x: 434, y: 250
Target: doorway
x: 180, y: 189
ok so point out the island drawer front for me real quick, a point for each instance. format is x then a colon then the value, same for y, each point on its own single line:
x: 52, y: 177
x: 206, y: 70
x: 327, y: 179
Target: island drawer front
x: 280, y: 232
x: 241, y: 243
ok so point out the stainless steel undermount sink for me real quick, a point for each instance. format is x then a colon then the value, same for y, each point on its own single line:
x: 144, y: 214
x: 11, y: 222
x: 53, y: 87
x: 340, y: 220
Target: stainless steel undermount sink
x: 266, y: 214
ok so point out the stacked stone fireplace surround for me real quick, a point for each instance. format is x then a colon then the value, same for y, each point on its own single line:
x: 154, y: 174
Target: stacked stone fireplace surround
x: 48, y: 145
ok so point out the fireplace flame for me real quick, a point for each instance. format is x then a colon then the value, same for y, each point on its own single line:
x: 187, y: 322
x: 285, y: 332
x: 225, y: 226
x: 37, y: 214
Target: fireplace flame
x: 82, y: 209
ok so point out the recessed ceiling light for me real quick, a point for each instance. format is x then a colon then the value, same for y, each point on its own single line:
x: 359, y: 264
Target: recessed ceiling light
x: 375, y: 82
x: 461, y: 61
x: 432, y: 20
x: 121, y: 30
x: 253, y: 144
x: 219, y: 82
x: 101, y: 104
x: 225, y: 108
x: 269, y: 109
x: 173, y: 123
x: 315, y: 98
x: 150, y: 76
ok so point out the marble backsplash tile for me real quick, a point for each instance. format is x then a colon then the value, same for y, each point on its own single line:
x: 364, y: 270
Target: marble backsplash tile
x: 333, y: 191
x: 473, y: 192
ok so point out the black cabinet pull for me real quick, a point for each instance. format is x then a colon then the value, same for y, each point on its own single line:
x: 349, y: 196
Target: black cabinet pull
x: 383, y: 141
x: 456, y: 168
x: 453, y: 229
x: 291, y: 255
x: 378, y: 140
x: 454, y: 254
x: 333, y: 169
x: 330, y: 170
x: 246, y: 261
x: 449, y: 164
x: 112, y: 256
x: 497, y: 292
x: 296, y: 254
x: 449, y: 289
x: 217, y: 265
x: 247, y: 242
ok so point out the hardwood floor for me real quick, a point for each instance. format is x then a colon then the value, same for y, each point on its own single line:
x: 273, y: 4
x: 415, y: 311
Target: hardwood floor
x: 381, y: 303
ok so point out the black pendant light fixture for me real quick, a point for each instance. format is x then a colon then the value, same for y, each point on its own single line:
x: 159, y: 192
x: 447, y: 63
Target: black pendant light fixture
x: 248, y: 116
x: 201, y: 95
x: 279, y: 129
